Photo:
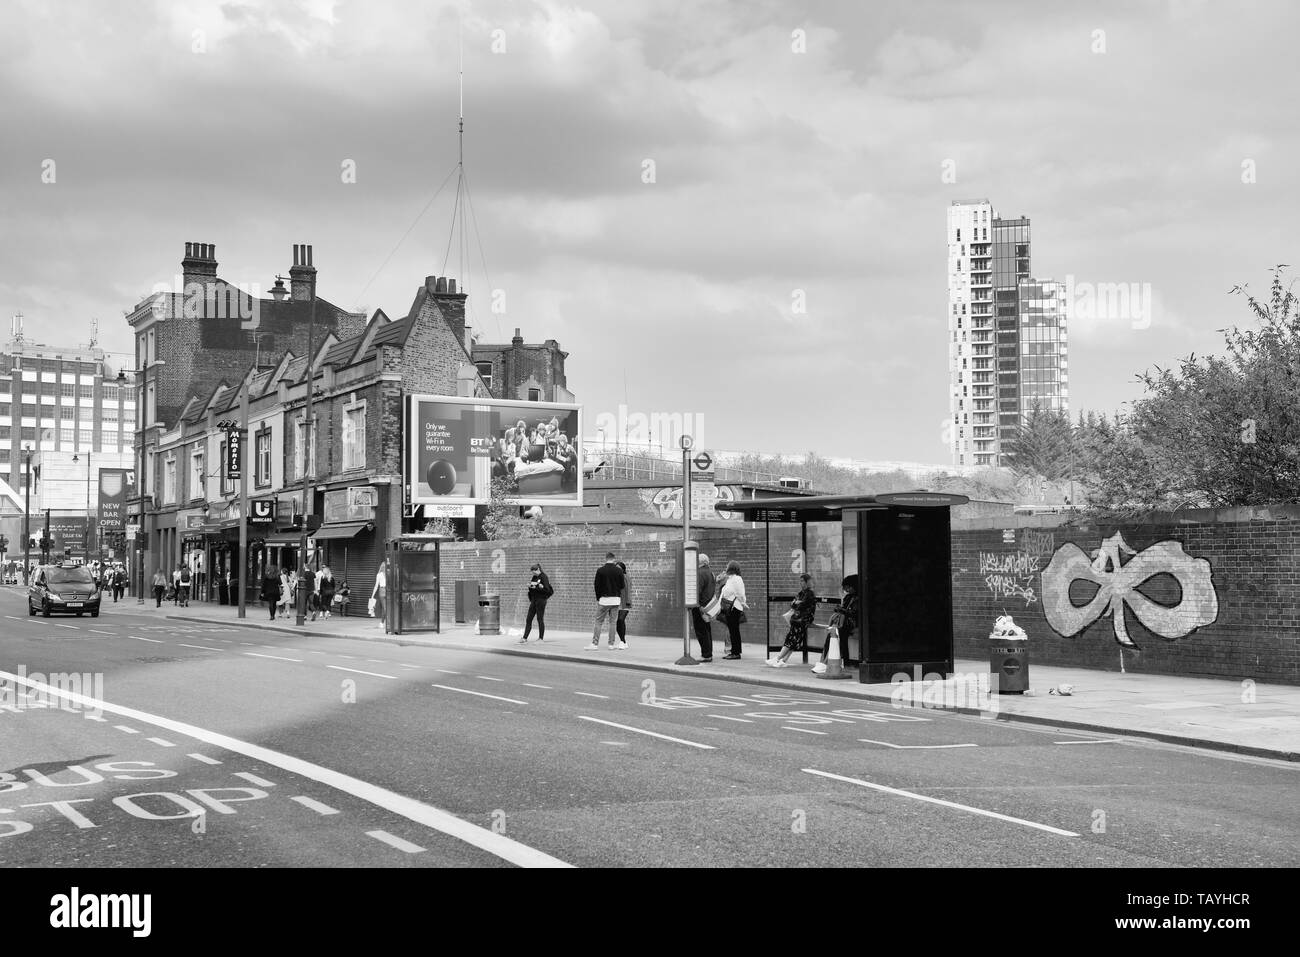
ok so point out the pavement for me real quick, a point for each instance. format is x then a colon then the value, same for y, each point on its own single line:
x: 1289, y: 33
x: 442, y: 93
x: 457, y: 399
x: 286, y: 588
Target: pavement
x: 1237, y: 716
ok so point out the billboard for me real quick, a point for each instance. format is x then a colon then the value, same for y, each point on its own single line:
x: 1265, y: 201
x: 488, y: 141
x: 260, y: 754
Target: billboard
x: 456, y: 446
x: 115, y: 487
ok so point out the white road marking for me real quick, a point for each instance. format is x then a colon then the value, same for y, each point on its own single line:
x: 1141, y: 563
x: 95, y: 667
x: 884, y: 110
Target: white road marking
x: 254, y: 654
x: 653, y: 734
x: 619, y: 744
x: 942, y: 803
x: 486, y: 678
x: 727, y: 717
x: 804, y: 730
x: 410, y: 667
x: 161, y: 742
x: 15, y: 618
x: 203, y: 757
x: 915, y: 747
x: 480, y: 694
x: 315, y: 805
x: 126, y: 729
x: 347, y: 657
x: 588, y: 694
x: 446, y: 672
x: 1093, y: 741
x: 396, y: 842
x: 93, y: 717
x: 377, y: 661
x: 496, y: 844
x: 254, y: 779
x: 100, y: 631
x: 57, y: 625
x: 156, y: 641
x: 200, y: 647
x: 373, y: 674
x: 543, y: 687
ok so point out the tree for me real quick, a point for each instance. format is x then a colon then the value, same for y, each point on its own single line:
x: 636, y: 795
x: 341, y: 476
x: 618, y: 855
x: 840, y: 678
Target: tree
x: 1043, y: 447
x: 502, y: 520
x: 1215, y: 431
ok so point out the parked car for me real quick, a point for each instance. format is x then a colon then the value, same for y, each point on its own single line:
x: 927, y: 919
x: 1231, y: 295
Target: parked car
x: 65, y: 589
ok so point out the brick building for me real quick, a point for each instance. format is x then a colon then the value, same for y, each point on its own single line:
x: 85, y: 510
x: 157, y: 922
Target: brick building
x: 522, y: 371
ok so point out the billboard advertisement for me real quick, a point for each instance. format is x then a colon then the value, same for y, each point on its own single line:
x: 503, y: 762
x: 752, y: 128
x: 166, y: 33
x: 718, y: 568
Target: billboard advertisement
x: 115, y: 487
x: 456, y: 446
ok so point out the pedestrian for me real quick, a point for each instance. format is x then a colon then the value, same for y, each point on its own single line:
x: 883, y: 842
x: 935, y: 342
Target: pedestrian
x: 271, y: 589
x: 609, y: 597
x: 342, y: 598
x: 286, y: 592
x: 844, y: 619
x: 539, y: 592
x: 185, y: 578
x: 308, y: 584
x: 624, y: 607
x: 119, y: 582
x: 802, y: 611
x: 733, y: 608
x: 705, y: 588
x: 325, y: 590
x: 176, y: 586
x: 159, y: 586
x: 377, y: 602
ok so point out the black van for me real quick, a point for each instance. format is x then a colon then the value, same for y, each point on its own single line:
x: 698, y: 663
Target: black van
x: 66, y: 589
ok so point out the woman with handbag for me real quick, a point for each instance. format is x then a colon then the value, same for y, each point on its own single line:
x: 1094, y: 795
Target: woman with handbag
x: 379, y: 595
x: 539, y: 592
x: 843, y: 621
x: 733, y: 609
x: 801, y: 613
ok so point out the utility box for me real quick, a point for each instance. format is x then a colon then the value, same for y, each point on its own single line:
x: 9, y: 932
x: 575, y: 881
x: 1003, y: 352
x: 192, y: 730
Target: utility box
x: 467, y: 593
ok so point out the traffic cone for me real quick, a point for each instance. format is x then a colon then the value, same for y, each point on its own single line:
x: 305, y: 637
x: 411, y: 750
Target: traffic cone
x: 834, y: 663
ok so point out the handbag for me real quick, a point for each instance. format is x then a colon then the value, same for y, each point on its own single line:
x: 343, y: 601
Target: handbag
x: 712, y: 609
x: 788, y: 616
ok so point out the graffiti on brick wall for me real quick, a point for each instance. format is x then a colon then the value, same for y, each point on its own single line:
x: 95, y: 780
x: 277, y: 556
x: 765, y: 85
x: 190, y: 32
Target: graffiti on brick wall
x: 1117, y: 583
x: 1012, y: 574
x: 667, y: 503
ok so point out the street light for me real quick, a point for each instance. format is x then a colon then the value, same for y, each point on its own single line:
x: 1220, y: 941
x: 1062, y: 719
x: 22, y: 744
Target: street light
x: 86, y: 540
x: 142, y: 420
x: 27, y: 517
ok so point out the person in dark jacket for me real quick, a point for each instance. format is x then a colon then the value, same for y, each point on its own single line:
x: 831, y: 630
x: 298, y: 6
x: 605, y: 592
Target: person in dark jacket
x: 804, y: 608
x: 539, y: 592
x: 271, y: 588
x: 844, y: 620
x: 706, y: 585
x: 609, y: 598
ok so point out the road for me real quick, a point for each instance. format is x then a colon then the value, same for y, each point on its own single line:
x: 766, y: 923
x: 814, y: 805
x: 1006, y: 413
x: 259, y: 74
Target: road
x: 223, y: 746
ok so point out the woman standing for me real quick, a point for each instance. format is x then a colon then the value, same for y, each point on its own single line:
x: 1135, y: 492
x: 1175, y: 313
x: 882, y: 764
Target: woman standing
x: 804, y: 608
x: 271, y: 589
x: 377, y: 603
x: 733, y: 608
x: 159, y: 586
x: 539, y: 592
x: 325, y: 589
x: 286, y: 592
x: 624, y: 607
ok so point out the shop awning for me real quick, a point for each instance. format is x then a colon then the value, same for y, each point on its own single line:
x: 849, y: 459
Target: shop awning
x: 282, y: 538
x: 342, y: 530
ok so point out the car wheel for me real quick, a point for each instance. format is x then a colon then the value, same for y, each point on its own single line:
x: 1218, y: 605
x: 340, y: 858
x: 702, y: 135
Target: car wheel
x: 45, y: 610
x: 95, y: 613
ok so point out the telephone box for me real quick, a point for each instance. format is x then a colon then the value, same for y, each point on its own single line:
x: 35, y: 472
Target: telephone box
x: 413, y: 572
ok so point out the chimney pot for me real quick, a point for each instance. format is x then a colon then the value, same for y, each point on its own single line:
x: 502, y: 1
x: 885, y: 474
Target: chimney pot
x: 309, y: 261
x: 517, y: 332
x: 451, y: 286
x: 212, y: 251
x: 442, y: 284
x: 189, y: 249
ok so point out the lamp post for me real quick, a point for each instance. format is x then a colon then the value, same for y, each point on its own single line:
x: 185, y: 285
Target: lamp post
x: 301, y: 616
x: 86, y: 535
x: 142, y: 419
x: 27, y: 517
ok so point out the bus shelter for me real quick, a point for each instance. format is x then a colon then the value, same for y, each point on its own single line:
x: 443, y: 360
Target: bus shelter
x: 900, y: 547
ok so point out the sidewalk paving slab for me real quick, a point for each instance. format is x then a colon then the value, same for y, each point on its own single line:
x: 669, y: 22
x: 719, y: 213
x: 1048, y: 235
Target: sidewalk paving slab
x: 1215, y: 713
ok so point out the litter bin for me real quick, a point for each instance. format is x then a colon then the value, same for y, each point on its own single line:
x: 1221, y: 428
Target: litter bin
x: 489, y: 614
x: 1009, y: 663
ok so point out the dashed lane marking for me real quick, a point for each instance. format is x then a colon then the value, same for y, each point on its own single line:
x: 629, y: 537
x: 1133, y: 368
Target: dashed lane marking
x: 156, y: 641
x: 200, y: 647
x: 394, y: 841
x: 727, y: 717
x: 126, y: 729
x: 100, y: 631
x: 323, y: 809
x: 373, y: 674
x: 254, y: 779
x: 486, y: 678
x: 543, y: 687
x: 202, y: 757
x: 377, y: 661
x: 161, y: 742
x: 346, y: 657
x: 254, y: 654
x: 480, y: 694
x: 803, y: 730
x: 446, y: 672
x: 73, y: 627
x: 916, y: 747
x: 653, y: 734
x: 93, y: 717
x: 930, y: 800
x: 588, y: 694
x: 427, y: 815
x: 1094, y: 741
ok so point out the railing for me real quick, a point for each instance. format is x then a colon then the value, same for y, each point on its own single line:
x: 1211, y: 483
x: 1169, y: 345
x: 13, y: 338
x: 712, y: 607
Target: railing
x: 625, y: 463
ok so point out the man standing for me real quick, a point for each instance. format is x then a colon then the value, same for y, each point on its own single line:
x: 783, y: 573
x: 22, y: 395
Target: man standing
x: 609, y: 597
x: 706, y: 585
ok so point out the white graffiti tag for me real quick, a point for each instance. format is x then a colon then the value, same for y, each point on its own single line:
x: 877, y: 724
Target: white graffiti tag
x: 1010, y: 575
x: 1117, y: 587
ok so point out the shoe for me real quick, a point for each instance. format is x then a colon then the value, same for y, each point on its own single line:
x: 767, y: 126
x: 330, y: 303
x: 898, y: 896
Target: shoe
x: 819, y: 668
x: 622, y: 646
x: 594, y: 646
x: 705, y: 661
x: 523, y: 641
x: 778, y: 663
x: 731, y: 657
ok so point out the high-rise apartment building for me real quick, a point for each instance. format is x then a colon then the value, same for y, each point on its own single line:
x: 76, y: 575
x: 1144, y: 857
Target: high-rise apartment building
x: 989, y: 292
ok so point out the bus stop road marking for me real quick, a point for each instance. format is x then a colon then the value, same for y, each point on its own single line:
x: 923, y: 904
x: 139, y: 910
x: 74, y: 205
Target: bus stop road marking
x: 418, y: 812
x: 161, y: 742
x: 254, y: 779
x: 950, y: 804
x: 203, y: 758
x: 373, y: 674
x: 916, y: 747
x: 479, y: 694
x: 653, y: 734
x: 727, y: 717
x: 397, y: 842
x: 322, y: 809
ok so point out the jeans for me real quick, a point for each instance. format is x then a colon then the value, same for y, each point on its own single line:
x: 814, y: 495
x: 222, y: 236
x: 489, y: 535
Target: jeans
x: 158, y: 592
x: 603, y: 612
x: 733, y: 630
x: 621, y: 627
x: 536, y: 609
x: 703, y: 633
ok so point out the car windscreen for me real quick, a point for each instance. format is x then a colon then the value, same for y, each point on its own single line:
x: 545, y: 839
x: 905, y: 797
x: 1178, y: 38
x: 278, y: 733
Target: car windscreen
x: 68, y: 576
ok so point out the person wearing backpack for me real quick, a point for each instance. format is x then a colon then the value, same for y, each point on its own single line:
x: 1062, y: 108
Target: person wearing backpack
x: 183, y: 586
x: 539, y: 592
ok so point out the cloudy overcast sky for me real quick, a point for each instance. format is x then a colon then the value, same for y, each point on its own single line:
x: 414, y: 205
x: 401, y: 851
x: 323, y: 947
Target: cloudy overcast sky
x: 795, y: 147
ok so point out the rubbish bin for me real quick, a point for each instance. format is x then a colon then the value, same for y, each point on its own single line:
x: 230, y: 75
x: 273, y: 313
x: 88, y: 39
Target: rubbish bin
x: 489, y: 614
x: 1009, y: 663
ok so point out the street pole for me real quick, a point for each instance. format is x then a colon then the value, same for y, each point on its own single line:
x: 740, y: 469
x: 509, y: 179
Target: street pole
x: 86, y: 534
x: 27, y: 519
x: 301, y: 617
x: 686, y: 658
x: 241, y: 565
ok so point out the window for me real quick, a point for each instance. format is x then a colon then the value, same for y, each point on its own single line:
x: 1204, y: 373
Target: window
x: 262, y: 468
x: 169, y: 481
x: 227, y: 483
x: 485, y: 372
x: 86, y: 438
x: 4, y: 455
x: 109, y: 420
x: 110, y: 393
x: 66, y: 413
x: 29, y: 433
x: 86, y: 391
x: 197, y: 476
x: 299, y: 435
x: 47, y: 388
x: 959, y: 234
x: 29, y: 409
x: 67, y: 435
x: 6, y: 408
x: 68, y: 390
x: 354, y: 437
x: 534, y: 395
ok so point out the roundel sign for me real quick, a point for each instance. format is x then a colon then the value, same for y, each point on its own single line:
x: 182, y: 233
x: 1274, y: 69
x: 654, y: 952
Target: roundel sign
x: 703, y: 462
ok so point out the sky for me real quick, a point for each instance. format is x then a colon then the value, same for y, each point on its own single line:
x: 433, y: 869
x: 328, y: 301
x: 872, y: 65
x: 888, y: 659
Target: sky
x: 734, y: 211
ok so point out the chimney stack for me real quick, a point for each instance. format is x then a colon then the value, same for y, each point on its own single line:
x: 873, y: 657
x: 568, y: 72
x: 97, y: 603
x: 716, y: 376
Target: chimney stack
x: 303, y: 274
x: 200, y: 264
x: 451, y: 303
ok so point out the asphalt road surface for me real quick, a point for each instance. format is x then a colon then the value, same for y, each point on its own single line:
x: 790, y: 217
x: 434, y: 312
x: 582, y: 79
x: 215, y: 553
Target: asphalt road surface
x: 224, y: 746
